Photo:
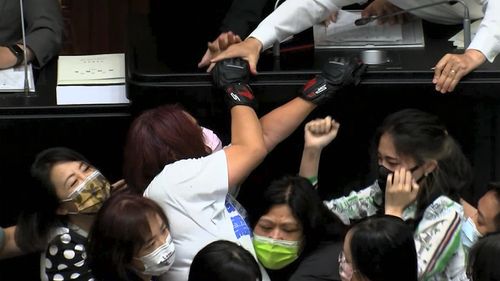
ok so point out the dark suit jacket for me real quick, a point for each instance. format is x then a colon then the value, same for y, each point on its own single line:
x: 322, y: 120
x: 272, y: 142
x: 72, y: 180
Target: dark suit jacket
x: 244, y: 15
x: 43, y: 24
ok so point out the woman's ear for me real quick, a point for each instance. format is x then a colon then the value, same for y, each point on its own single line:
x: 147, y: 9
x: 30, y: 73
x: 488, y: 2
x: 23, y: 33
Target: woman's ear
x: 430, y: 166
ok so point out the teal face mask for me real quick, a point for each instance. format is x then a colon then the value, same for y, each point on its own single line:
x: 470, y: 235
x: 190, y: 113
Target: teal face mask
x: 470, y: 234
x: 275, y: 254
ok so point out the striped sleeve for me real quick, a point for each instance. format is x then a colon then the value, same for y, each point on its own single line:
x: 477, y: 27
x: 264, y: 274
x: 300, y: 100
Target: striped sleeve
x: 437, y: 238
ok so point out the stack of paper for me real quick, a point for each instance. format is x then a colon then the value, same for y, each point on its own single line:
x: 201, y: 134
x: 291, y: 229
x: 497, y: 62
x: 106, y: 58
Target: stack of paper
x: 345, y: 34
x: 12, y: 79
x: 93, y: 79
x: 458, y: 39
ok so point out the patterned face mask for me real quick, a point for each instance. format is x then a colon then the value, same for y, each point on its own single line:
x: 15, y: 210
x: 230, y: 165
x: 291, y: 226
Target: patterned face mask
x: 160, y: 260
x: 89, y: 195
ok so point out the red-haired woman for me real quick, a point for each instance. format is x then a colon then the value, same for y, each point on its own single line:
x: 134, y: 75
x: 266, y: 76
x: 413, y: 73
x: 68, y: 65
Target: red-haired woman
x: 167, y: 160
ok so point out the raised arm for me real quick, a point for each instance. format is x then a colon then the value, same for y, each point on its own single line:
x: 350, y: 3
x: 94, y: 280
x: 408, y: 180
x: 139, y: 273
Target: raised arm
x: 247, y: 147
x: 336, y: 74
x: 278, y: 124
x: 317, y: 134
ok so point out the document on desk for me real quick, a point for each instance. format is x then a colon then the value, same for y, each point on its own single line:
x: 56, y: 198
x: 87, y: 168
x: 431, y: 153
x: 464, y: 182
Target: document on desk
x: 93, y: 79
x: 345, y: 34
x: 12, y: 79
x: 91, y: 69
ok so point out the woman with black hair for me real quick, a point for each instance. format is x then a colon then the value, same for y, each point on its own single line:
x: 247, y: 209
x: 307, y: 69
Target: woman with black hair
x: 379, y: 249
x: 224, y: 260
x: 295, y: 236
x: 422, y: 171
x: 70, y: 194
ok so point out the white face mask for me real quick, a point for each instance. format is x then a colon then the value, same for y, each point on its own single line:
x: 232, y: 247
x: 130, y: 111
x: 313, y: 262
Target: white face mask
x: 211, y: 139
x: 160, y: 260
x: 470, y: 234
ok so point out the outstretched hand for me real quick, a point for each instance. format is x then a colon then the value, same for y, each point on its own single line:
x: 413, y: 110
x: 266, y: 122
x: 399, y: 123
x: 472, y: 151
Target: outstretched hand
x: 401, y: 190
x: 337, y: 73
x: 215, y: 47
x: 452, y: 67
x: 319, y: 133
x: 248, y: 50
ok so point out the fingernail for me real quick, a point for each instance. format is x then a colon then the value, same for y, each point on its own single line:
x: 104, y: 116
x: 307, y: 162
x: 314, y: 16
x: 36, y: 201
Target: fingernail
x: 434, y: 80
x: 438, y: 88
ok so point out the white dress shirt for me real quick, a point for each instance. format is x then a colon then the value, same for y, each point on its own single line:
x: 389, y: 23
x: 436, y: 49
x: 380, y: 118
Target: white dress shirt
x: 294, y: 16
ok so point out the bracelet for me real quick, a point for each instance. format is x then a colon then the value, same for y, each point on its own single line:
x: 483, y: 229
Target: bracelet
x: 313, y: 180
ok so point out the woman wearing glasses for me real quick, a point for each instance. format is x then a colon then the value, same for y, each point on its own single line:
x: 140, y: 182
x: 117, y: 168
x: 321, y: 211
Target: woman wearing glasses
x: 379, y: 249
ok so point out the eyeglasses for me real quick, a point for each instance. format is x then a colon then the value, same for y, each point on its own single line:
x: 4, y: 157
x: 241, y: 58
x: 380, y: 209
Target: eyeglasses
x: 345, y: 268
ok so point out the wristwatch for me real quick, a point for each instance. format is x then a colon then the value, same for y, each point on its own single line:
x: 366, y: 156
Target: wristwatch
x: 18, y: 52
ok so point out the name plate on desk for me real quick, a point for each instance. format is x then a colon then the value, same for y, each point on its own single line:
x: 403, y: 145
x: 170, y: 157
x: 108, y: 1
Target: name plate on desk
x: 91, y: 79
x: 345, y: 34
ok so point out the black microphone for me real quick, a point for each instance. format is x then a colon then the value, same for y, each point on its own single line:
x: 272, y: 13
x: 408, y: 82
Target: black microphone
x: 466, y: 20
x: 25, y: 59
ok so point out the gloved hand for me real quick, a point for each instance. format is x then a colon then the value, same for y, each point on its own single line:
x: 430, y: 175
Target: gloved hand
x: 337, y: 73
x: 232, y: 75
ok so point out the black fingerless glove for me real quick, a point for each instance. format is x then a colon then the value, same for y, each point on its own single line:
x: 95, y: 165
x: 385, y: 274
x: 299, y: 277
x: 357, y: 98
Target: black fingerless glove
x: 337, y: 73
x: 232, y: 75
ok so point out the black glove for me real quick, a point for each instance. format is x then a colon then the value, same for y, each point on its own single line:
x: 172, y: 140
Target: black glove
x: 337, y: 73
x: 232, y: 75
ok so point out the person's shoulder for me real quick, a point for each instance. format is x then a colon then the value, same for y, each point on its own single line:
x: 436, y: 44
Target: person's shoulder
x: 443, y: 206
x: 64, y: 236
x: 195, y: 163
x: 319, y: 263
x: 186, y: 171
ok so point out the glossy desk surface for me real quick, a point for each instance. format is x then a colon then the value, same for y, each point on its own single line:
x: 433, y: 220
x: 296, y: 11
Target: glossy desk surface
x: 42, y: 103
x: 153, y: 62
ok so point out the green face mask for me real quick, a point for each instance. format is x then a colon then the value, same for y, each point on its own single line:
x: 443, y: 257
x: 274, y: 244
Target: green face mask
x: 275, y: 254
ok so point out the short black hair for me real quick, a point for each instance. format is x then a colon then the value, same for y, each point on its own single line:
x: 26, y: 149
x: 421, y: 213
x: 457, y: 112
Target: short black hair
x: 482, y: 262
x: 383, y: 249
x: 224, y: 261
x: 36, y: 220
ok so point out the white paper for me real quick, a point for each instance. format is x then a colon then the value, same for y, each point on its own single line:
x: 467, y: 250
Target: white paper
x: 91, y: 69
x: 458, y: 39
x: 344, y: 30
x: 12, y: 79
x: 345, y: 34
x: 96, y: 94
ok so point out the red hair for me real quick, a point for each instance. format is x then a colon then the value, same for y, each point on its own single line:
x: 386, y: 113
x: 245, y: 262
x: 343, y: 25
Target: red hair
x: 156, y: 138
